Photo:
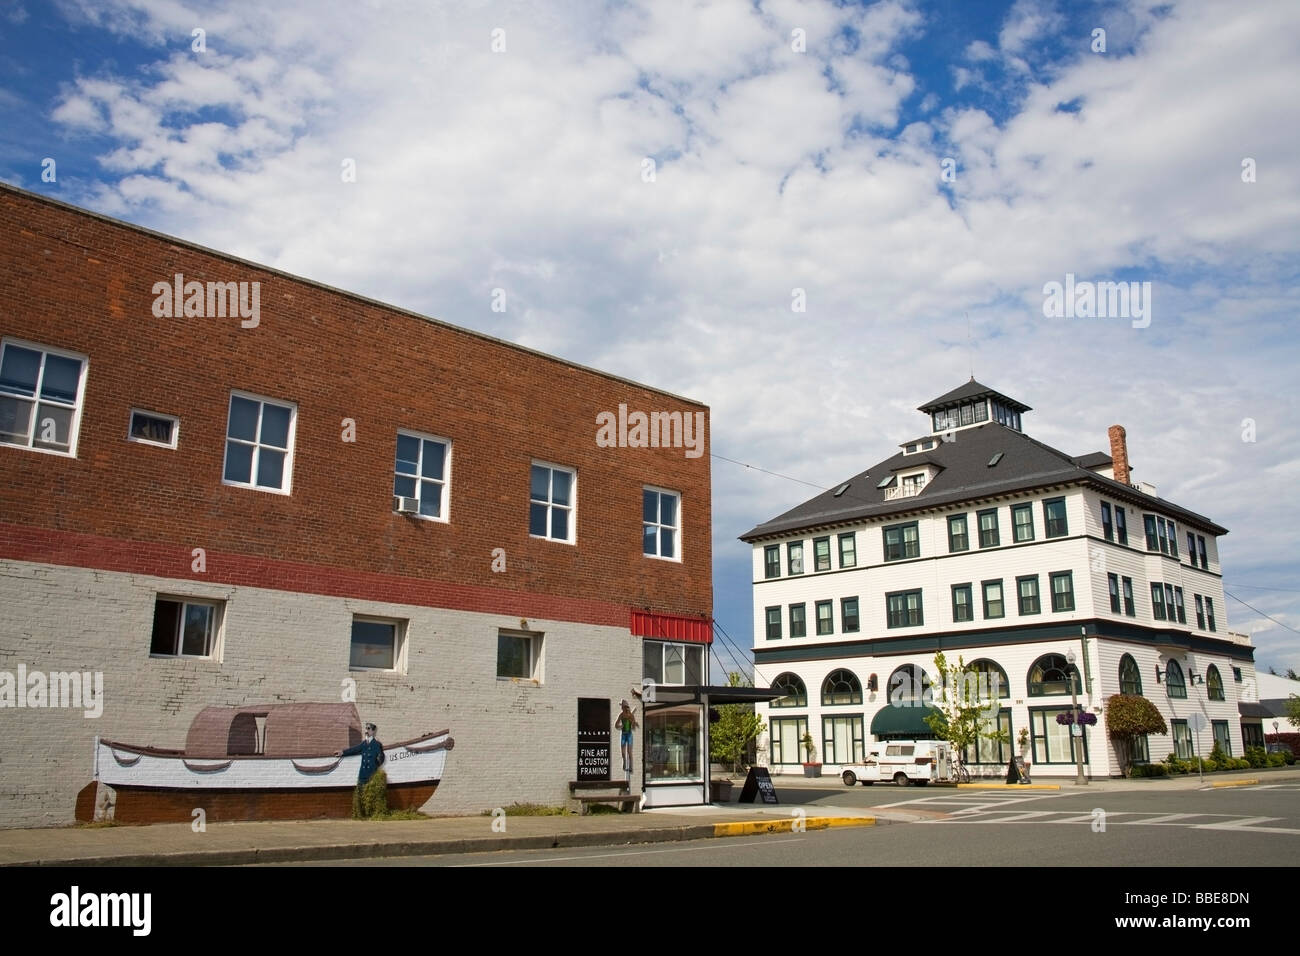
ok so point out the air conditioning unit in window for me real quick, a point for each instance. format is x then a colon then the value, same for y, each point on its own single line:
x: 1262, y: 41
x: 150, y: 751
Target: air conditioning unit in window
x: 406, y: 506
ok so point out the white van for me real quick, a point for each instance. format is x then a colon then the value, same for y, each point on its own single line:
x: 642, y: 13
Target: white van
x: 903, y: 762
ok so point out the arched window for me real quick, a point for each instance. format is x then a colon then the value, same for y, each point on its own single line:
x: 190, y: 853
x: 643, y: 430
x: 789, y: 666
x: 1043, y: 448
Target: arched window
x: 909, y: 684
x: 1213, y: 683
x: 1130, y: 679
x: 1051, y: 674
x: 841, y: 687
x: 992, y: 678
x: 796, y: 695
x: 1174, y: 684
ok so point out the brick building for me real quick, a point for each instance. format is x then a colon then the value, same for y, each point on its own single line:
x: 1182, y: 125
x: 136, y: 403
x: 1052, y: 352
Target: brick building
x: 303, y: 494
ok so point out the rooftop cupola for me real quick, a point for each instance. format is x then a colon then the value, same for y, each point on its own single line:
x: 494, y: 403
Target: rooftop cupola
x: 972, y: 404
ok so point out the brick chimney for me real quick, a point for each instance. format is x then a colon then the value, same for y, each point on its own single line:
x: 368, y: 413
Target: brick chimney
x: 1119, y: 454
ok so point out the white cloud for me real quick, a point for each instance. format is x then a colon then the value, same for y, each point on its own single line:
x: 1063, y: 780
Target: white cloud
x: 522, y: 170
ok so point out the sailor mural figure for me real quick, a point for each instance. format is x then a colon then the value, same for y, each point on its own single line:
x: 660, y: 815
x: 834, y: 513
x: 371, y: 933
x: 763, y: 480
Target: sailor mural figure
x: 369, y: 799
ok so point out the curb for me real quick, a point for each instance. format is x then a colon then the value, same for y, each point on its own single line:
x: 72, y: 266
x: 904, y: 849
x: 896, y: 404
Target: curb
x: 1234, y: 783
x: 1008, y: 786
x: 354, y: 851
x: 751, y: 827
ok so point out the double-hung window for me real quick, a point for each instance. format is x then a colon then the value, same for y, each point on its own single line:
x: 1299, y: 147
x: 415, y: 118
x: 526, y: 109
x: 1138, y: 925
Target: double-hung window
x: 993, y: 604
x: 1158, y: 601
x: 1200, y: 547
x: 961, y: 603
x: 1182, y: 739
x: 849, y: 614
x: 1121, y: 526
x: 259, y: 443
x: 1200, y: 612
x: 904, y: 609
x: 661, y: 523
x: 1107, y: 527
x: 1130, y: 609
x: 1191, y: 548
x: 821, y: 554
x: 798, y: 620
x: 1054, y: 523
x: 825, y: 618
x: 552, y: 502
x: 772, y: 561
x: 41, y: 393
x: 1112, y: 582
x: 1027, y: 589
x: 1022, y: 522
x: 773, y: 615
x: 848, y: 550
x: 988, y: 521
x: 1062, y: 590
x: 422, y: 471
x: 1153, y: 540
x: 958, y: 535
x: 1209, y: 612
x: 794, y: 557
x: 902, y: 541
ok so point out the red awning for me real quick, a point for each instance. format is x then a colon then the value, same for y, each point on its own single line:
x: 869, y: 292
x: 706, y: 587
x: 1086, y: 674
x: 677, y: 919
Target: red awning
x: 671, y: 627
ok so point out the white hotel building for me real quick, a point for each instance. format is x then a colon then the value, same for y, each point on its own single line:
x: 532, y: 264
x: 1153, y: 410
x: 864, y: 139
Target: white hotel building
x: 978, y: 541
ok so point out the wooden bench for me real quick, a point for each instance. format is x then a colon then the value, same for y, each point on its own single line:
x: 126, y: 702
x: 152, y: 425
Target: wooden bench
x: 627, y: 802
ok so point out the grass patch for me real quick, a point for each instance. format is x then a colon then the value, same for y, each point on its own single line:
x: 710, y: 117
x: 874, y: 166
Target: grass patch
x: 530, y: 810
x: 98, y: 825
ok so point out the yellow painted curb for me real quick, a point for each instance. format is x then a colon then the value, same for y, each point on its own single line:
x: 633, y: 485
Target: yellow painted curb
x: 1008, y: 786
x: 1234, y: 783
x: 751, y: 827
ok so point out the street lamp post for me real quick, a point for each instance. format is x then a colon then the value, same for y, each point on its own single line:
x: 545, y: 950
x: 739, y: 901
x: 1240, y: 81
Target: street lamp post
x: 1079, y: 779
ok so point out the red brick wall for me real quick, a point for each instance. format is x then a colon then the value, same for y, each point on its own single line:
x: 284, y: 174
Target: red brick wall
x: 77, y: 282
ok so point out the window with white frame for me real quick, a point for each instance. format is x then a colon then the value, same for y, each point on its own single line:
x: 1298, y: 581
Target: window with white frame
x: 259, y: 443
x: 185, y: 627
x: 519, y: 655
x: 422, y: 471
x: 661, y: 517
x: 151, y: 428
x: 376, y: 644
x: 552, y: 502
x: 41, y: 392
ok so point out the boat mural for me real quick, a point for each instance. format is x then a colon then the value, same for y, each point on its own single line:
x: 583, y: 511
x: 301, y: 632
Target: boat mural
x: 270, y: 762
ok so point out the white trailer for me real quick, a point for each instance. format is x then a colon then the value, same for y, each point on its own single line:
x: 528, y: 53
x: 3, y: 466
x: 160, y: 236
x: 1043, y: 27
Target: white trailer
x: 902, y: 762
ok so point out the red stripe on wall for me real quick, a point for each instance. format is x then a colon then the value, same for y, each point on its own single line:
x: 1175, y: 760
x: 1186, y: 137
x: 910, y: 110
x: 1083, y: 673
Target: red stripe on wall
x: 671, y: 627
x: 71, y: 549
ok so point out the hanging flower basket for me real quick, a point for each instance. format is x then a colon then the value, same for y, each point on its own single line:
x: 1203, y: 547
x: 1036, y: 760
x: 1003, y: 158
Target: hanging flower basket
x: 1086, y: 719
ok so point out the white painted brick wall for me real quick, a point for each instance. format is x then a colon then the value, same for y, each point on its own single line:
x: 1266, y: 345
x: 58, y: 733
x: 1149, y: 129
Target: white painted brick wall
x: 514, y: 741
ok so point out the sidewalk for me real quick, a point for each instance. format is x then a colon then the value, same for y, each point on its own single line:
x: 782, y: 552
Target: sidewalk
x: 228, y: 844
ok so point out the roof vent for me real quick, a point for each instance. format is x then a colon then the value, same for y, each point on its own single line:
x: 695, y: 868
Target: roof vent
x: 996, y: 458
x: 841, y: 489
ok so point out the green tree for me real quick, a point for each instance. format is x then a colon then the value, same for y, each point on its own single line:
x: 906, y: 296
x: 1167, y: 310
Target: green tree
x: 1293, y: 710
x: 967, y: 707
x: 1129, y: 716
x: 736, y: 726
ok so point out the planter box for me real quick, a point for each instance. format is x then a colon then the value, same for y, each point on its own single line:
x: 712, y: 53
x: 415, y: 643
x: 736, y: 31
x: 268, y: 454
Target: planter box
x: 720, y: 791
x: 812, y: 770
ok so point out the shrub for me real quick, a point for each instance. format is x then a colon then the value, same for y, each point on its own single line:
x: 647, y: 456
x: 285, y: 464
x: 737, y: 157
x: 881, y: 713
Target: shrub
x: 1209, y: 765
x: 370, y: 800
x: 1217, y: 754
x: 1256, y: 757
x: 1243, y: 763
x: 1276, y: 760
x: 1150, y: 770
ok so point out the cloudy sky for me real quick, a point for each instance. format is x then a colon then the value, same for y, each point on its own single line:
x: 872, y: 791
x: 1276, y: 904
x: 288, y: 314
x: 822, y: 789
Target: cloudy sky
x: 658, y: 185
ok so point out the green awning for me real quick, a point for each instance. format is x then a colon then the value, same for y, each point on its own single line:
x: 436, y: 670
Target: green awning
x: 902, y: 723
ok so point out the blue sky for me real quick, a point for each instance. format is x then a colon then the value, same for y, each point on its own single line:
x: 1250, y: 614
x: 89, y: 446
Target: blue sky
x: 798, y: 145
